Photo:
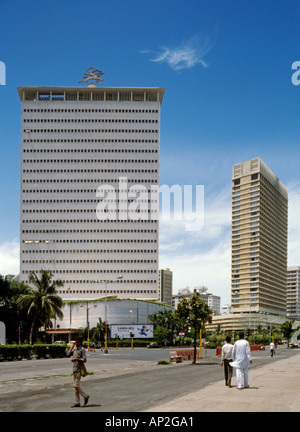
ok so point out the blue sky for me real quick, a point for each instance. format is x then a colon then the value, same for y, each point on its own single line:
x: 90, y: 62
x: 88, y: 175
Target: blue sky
x: 226, y: 70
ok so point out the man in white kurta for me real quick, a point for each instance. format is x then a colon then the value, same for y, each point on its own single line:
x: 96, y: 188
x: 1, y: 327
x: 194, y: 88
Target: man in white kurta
x: 241, y: 356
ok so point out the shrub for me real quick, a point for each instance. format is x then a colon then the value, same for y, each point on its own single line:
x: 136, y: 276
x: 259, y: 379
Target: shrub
x: 18, y: 352
x: 9, y: 352
x: 163, y: 362
x: 57, y: 351
x: 25, y: 351
x: 40, y: 350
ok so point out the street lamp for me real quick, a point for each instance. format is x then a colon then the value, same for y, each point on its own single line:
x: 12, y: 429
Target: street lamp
x: 87, y: 320
x: 131, y: 311
x: 105, y: 306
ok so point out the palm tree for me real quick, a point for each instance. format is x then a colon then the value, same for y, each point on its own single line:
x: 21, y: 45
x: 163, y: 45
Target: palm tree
x: 41, y: 301
x: 165, y: 320
x: 99, y: 331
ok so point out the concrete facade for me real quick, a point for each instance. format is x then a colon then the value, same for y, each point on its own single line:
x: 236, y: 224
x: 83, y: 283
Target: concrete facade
x: 259, y: 239
x: 90, y: 157
x: 165, y: 286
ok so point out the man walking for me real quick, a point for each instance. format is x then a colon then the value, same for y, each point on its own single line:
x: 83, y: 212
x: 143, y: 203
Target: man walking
x: 241, y: 357
x: 272, y: 348
x: 78, y: 356
x: 226, y: 358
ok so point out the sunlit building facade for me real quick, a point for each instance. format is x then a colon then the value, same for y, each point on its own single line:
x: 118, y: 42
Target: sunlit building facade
x: 259, y: 240
x: 75, y: 140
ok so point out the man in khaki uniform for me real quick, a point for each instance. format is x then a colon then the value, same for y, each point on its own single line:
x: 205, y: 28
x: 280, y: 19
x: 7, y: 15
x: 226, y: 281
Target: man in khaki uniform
x: 79, y: 355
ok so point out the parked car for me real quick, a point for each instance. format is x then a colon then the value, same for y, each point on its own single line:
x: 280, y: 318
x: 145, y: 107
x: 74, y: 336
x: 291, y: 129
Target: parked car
x: 59, y: 342
x: 154, y: 345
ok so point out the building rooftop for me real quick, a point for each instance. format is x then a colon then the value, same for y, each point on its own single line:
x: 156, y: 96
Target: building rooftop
x: 91, y: 93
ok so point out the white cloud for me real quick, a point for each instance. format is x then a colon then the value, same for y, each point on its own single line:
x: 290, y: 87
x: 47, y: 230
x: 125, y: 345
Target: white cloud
x: 10, y: 258
x: 217, y: 220
x: 201, y: 257
x: 211, y: 269
x: 186, y: 55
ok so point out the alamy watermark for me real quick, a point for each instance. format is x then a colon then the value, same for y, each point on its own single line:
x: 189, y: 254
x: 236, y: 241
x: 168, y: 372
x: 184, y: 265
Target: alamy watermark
x: 2, y: 73
x: 139, y: 202
x: 295, y: 77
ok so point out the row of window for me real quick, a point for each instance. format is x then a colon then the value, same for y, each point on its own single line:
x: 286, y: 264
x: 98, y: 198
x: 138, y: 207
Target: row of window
x: 143, y: 231
x: 75, y: 221
x: 110, y: 213
x: 103, y: 292
x: 134, y: 161
x: 119, y: 170
x: 89, y: 251
x: 87, y: 201
x: 121, y: 281
x: 89, y: 140
x: 84, y: 180
x: 86, y: 191
x: 133, y: 131
x: 92, y: 241
x: 87, y: 120
x: 89, y: 110
x: 88, y: 261
x: 97, y: 270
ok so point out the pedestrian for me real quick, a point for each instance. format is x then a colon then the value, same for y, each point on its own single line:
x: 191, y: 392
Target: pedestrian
x: 79, y: 355
x: 241, y: 357
x: 226, y: 358
x: 272, y: 349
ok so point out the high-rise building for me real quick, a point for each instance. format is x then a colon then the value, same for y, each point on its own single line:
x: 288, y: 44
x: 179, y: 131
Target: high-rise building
x: 259, y: 239
x: 90, y: 159
x: 293, y: 293
x: 165, y: 286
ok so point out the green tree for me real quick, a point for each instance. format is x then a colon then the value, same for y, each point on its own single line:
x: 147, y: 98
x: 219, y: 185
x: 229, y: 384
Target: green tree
x: 287, y: 330
x: 41, y: 301
x: 12, y: 317
x: 98, y: 332
x: 196, y: 314
x: 165, y: 320
x: 162, y: 334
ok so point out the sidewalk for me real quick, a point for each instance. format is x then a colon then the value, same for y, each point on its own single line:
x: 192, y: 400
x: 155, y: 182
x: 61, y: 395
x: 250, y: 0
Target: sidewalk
x: 273, y: 388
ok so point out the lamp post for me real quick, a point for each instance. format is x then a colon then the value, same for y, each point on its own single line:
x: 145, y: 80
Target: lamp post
x: 105, y: 307
x: 87, y: 320
x: 249, y: 314
x: 132, y: 326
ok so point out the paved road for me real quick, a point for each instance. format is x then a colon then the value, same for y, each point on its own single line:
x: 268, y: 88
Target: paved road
x: 123, y: 381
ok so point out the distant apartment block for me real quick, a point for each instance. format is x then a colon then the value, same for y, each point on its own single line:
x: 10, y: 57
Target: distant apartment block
x: 211, y: 300
x: 259, y: 239
x: 293, y: 293
x: 73, y: 140
x: 226, y: 309
x: 165, y: 286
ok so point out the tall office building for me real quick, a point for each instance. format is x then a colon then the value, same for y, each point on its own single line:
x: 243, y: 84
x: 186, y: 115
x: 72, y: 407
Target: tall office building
x: 90, y: 156
x: 293, y: 293
x: 259, y: 239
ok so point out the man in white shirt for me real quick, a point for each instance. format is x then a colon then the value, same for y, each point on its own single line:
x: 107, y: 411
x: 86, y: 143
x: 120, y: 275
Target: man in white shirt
x: 241, y: 356
x: 226, y: 358
x: 272, y: 348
